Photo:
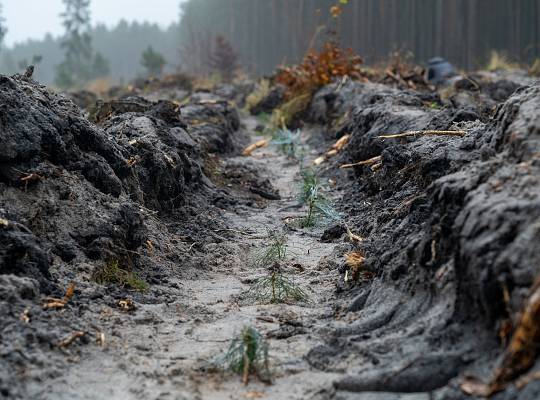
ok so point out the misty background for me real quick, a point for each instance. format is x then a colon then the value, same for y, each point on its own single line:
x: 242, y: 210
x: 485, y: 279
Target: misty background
x: 266, y: 33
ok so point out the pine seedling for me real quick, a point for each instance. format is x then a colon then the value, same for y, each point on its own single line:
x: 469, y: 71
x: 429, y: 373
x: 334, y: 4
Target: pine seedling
x: 287, y: 141
x: 248, y: 354
x: 275, y: 288
x: 318, y: 206
x: 310, y: 181
x: 274, y: 251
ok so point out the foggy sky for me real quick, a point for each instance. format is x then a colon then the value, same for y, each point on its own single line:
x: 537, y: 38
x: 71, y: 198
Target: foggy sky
x: 32, y: 19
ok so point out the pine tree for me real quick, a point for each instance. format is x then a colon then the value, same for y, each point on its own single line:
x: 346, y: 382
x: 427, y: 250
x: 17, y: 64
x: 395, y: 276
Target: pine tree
x: 80, y: 64
x: 224, y: 59
x: 153, y: 62
x: 100, y: 66
x: 3, y: 29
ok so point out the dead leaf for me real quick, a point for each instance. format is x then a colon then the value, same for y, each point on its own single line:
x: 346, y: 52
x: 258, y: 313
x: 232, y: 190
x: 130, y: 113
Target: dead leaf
x: 4, y: 222
x: 335, y: 11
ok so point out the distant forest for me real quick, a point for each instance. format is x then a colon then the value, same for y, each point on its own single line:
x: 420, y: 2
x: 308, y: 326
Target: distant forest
x: 121, y: 46
x: 265, y: 33
x: 269, y: 32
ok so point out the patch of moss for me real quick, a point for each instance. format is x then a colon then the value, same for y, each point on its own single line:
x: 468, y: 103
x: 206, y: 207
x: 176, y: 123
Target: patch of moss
x: 113, y: 274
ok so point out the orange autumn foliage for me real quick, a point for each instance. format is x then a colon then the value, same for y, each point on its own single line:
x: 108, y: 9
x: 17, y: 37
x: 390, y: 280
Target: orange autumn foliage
x: 318, y: 68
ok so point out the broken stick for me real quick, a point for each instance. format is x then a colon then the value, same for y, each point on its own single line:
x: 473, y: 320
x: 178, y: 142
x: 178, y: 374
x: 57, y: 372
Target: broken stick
x: 252, y: 147
x: 371, y: 161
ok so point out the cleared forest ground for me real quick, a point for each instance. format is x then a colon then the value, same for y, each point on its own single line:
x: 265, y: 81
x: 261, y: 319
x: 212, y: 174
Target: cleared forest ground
x: 127, y: 243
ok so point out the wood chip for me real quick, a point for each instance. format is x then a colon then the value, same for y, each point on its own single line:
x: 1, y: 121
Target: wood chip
x: 319, y: 160
x: 475, y: 387
x: 352, y: 236
x: 100, y: 339
x: 127, y: 305
x: 254, y: 395
x: 336, y: 147
x: 528, y: 378
x: 69, y: 292
x: 341, y: 143
x: 52, y: 302
x: 25, y: 316
x: 70, y: 339
x: 252, y: 147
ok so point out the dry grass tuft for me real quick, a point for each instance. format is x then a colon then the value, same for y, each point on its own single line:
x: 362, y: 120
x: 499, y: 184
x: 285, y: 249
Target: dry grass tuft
x: 112, y: 273
x: 262, y: 89
x: 355, y: 261
x: 500, y: 62
x: 534, y: 70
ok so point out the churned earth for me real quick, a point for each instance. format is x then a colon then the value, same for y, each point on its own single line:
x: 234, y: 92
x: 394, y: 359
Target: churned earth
x: 449, y: 227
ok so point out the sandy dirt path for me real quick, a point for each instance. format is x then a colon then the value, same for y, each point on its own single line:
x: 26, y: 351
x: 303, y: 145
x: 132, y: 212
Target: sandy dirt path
x: 163, y: 351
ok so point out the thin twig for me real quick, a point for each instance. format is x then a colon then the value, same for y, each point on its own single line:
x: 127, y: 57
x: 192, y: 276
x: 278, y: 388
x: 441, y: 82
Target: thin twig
x: 245, y: 377
x: 370, y: 161
x: 424, y: 133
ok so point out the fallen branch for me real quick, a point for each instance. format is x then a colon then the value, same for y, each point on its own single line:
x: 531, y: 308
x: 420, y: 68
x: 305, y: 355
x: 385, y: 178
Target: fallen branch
x: 371, y: 161
x: 424, y: 133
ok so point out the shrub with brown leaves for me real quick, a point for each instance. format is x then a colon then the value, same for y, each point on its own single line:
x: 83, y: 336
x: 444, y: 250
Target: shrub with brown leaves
x: 319, y: 68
